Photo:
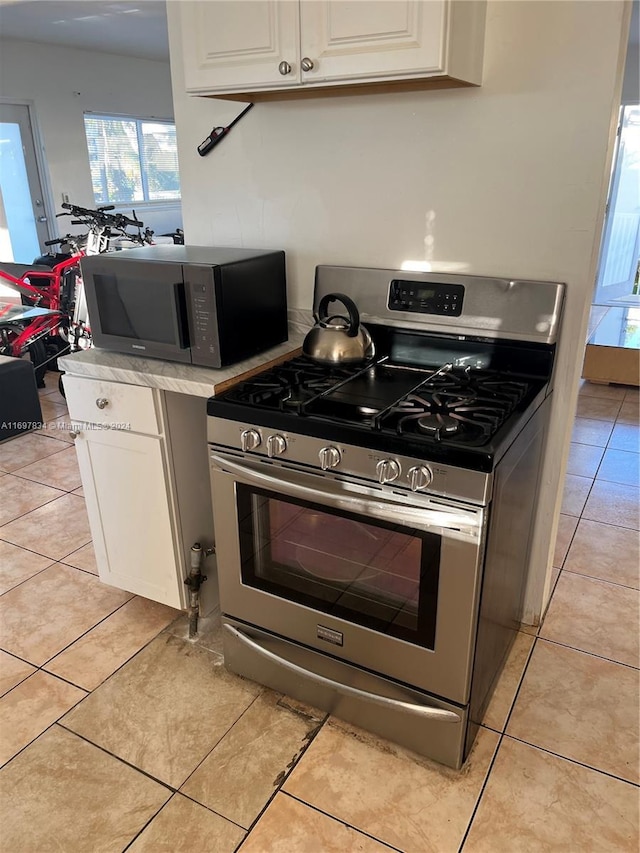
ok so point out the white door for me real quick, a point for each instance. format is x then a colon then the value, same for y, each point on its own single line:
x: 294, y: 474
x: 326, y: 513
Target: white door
x: 23, y: 220
x: 126, y: 492
x: 371, y: 38
x: 620, y: 248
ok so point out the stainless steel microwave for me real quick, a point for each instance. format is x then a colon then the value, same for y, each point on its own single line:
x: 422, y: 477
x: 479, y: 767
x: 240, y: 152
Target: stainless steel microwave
x: 194, y: 304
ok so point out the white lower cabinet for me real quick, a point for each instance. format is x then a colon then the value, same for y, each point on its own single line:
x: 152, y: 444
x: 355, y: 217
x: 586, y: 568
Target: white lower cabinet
x: 147, y: 495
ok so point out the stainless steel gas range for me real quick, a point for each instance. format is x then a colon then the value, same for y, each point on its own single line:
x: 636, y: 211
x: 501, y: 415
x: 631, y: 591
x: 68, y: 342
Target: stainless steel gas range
x: 373, y: 521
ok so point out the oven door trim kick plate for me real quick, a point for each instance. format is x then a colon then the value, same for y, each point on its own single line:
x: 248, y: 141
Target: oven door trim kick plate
x: 439, y: 714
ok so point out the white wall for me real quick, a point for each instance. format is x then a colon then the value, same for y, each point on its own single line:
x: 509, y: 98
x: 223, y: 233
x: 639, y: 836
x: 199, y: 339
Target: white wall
x: 508, y: 179
x: 62, y: 83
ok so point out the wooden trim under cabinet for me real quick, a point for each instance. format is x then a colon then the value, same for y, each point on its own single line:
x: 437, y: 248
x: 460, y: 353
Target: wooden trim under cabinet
x: 306, y: 92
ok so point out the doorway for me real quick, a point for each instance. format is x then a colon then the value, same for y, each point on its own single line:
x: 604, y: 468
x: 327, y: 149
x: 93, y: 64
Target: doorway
x: 23, y: 218
x: 617, y: 283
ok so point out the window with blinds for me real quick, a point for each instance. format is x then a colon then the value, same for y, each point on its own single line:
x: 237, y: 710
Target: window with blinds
x: 132, y: 160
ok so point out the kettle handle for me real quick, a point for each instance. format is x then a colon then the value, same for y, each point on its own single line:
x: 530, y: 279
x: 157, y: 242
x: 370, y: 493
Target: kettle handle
x: 349, y: 304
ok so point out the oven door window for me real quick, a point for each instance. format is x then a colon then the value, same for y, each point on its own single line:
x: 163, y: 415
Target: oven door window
x: 380, y: 575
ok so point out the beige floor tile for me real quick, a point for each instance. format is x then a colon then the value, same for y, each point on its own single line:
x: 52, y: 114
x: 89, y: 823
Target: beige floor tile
x: 566, y: 529
x: 537, y: 801
x: 59, y: 471
x: 505, y: 692
x: 595, y: 616
x: 584, y: 459
x: 608, y: 392
x: 30, y: 708
x: 46, y: 613
x: 597, y: 408
x: 103, y: 650
x: 580, y: 707
x: 607, y: 552
x: 184, y: 825
x: 59, y: 428
x: 17, y: 565
x: 79, y: 491
x: 632, y: 395
x: 84, y: 558
x: 620, y: 466
x: 26, y: 449
x: 21, y: 496
x: 407, y: 801
x: 50, y: 409
x: 610, y: 503
x: 625, y: 437
x: 53, y: 395
x: 63, y: 794
x: 54, y: 530
x: 288, y: 826
x: 589, y: 431
x: 164, y: 710
x: 576, y: 490
x: 239, y: 776
x: 629, y: 413
x: 12, y: 671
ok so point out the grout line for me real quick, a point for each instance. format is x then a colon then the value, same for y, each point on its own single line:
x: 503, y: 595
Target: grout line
x: 573, y: 761
x: 309, y: 740
x: 591, y: 654
x: 602, y: 580
x: 113, y: 755
x: 340, y: 820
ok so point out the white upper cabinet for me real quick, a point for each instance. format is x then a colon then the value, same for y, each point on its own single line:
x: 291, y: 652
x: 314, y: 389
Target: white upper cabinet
x: 286, y: 48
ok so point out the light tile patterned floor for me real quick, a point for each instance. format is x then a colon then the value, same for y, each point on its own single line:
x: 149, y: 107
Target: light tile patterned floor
x: 118, y: 733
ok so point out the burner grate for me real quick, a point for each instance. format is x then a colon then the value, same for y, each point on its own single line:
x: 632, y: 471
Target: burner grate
x: 465, y: 407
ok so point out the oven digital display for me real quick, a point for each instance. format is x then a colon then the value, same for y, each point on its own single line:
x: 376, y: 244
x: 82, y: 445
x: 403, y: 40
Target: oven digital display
x: 419, y: 298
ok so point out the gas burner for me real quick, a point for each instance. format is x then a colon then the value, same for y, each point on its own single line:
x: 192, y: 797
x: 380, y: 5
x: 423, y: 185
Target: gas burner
x: 438, y: 425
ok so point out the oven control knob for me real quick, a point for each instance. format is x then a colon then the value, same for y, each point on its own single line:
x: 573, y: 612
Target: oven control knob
x: 329, y: 458
x: 388, y: 470
x: 419, y: 477
x: 276, y: 445
x: 250, y: 439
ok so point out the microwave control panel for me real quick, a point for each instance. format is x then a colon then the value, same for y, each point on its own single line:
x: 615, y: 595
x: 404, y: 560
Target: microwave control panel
x: 419, y: 297
x: 203, y: 322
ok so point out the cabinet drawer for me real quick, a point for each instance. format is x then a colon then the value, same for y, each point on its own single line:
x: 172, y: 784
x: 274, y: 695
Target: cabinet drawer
x: 99, y: 402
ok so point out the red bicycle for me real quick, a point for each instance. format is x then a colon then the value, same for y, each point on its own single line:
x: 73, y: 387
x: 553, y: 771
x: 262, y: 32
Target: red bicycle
x: 53, y: 320
x: 45, y: 326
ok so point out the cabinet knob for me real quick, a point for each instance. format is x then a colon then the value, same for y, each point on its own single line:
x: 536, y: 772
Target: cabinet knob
x: 74, y: 434
x: 284, y: 68
x: 306, y: 64
x: 102, y: 402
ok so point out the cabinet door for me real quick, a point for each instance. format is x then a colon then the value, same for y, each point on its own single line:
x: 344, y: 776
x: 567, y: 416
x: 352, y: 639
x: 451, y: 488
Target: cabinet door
x: 233, y: 45
x: 129, y: 510
x: 372, y: 38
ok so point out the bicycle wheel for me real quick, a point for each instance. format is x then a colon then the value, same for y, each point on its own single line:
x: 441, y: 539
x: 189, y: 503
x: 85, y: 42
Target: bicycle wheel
x: 37, y: 351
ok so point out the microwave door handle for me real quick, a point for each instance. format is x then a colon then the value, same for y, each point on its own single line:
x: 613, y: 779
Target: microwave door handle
x: 181, y: 330
x: 428, y: 711
x: 450, y: 522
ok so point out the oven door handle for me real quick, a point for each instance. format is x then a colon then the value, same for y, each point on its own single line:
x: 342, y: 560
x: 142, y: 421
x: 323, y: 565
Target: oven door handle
x: 449, y: 521
x: 426, y: 711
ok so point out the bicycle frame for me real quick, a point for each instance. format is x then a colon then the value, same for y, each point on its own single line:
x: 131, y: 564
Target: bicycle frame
x: 48, y: 296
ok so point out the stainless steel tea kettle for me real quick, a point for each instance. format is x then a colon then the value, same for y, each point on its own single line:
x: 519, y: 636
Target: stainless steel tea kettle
x: 336, y: 339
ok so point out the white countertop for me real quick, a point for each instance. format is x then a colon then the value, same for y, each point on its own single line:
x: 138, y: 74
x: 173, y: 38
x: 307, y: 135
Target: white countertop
x: 169, y: 375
